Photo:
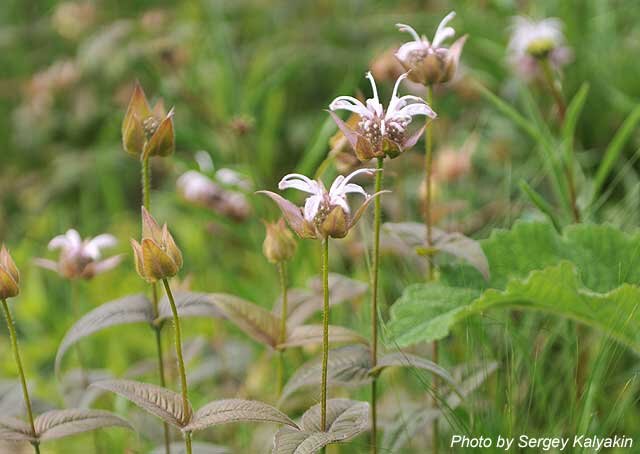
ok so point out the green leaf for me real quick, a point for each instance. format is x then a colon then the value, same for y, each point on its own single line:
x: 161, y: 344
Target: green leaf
x: 588, y: 274
x: 540, y: 203
x: 56, y: 424
x: 613, y: 151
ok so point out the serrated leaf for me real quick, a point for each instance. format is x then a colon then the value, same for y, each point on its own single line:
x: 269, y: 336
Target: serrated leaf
x: 312, y: 334
x: 127, y: 310
x: 13, y: 429
x: 161, y: 402
x: 235, y: 410
x: 401, y: 359
x: 413, y: 235
x: 193, y: 304
x: 345, y: 420
x: 347, y: 366
x: 303, y: 303
x: 197, y: 448
x: 65, y: 423
x: 257, y: 322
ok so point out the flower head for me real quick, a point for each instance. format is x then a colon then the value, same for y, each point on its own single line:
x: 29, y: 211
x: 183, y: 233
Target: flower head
x: 325, y: 213
x: 381, y: 131
x: 532, y: 41
x: 279, y: 244
x: 199, y: 189
x: 80, y: 259
x: 147, y: 132
x: 156, y: 256
x: 9, y: 275
x: 430, y: 62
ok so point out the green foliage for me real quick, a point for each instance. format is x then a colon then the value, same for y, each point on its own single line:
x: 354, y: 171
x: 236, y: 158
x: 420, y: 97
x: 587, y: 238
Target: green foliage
x: 589, y: 273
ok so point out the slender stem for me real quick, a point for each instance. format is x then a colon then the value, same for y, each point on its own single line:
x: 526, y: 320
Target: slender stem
x: 428, y: 169
x: 282, y: 272
x: 428, y: 166
x: 553, y: 87
x: 23, y: 380
x: 374, y: 305
x: 559, y: 100
x: 181, y: 368
x: 325, y: 330
x: 146, y: 183
x: 146, y: 200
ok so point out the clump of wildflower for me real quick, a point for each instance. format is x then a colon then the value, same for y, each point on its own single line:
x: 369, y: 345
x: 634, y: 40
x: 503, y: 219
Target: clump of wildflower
x: 80, y: 259
x: 157, y: 256
x: 533, y: 41
x: 430, y: 62
x: 325, y: 213
x: 9, y: 275
x: 381, y: 132
x: 147, y: 132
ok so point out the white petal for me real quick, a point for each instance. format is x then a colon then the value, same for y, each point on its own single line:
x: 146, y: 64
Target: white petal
x: 59, y: 242
x: 340, y: 189
x: 299, y: 182
x: 409, y: 48
x: 373, y: 104
x: 409, y: 29
x: 443, y: 32
x: 417, y: 108
x: 75, y: 241
x: 93, y: 246
x: 311, y: 206
x: 351, y: 104
x: 342, y: 202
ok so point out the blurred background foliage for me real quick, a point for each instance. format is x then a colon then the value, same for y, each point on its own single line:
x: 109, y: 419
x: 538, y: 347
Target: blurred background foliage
x: 249, y: 80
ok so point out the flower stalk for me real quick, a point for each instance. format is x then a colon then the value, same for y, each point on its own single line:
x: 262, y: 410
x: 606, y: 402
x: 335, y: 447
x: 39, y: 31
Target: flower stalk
x: 178, y: 344
x: 428, y: 173
x: 325, y: 331
x: 146, y: 200
x: 18, y: 360
x: 377, y: 213
x: 282, y: 272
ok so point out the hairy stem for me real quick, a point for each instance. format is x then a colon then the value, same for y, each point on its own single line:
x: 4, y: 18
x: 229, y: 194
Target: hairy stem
x: 325, y: 330
x: 428, y: 171
x: 428, y: 167
x: 374, y: 305
x: 282, y: 272
x: 23, y: 380
x: 181, y: 368
x: 146, y: 200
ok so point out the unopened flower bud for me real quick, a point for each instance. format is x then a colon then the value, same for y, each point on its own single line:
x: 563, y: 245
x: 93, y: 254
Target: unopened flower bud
x: 279, y: 244
x: 147, y: 132
x: 9, y: 275
x: 157, y: 256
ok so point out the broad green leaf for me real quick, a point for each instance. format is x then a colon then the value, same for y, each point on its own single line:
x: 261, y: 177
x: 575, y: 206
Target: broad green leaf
x: 257, y: 322
x: 161, y: 402
x: 126, y: 310
x: 235, y: 410
x: 347, y: 366
x: 345, y: 420
x: 589, y: 273
x: 193, y: 304
x: 65, y: 423
x: 13, y: 429
x: 312, y: 334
